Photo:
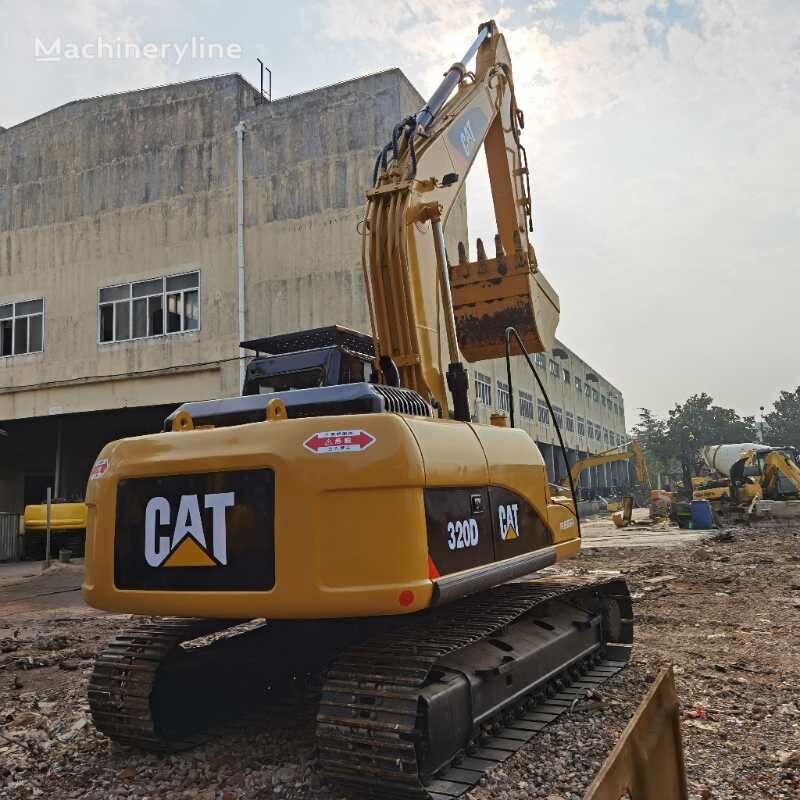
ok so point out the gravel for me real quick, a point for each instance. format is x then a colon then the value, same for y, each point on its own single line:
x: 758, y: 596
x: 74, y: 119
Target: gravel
x: 725, y: 612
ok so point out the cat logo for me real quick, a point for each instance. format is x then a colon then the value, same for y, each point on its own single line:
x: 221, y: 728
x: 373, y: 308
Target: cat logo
x: 465, y: 136
x: 468, y: 139
x: 187, y: 546
x: 509, y: 523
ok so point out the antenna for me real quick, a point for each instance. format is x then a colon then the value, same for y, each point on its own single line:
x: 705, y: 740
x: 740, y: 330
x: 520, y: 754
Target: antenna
x: 268, y: 96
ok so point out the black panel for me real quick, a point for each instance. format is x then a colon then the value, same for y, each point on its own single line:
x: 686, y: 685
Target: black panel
x: 242, y: 557
x: 517, y: 527
x: 348, y: 398
x: 333, y: 335
x: 458, y: 538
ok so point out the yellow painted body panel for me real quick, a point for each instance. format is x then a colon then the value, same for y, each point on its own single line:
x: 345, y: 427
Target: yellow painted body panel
x: 63, y: 517
x: 453, y: 453
x: 514, y: 462
x: 745, y: 494
x: 350, y: 527
x: 779, y: 464
x: 712, y: 493
x: 749, y: 492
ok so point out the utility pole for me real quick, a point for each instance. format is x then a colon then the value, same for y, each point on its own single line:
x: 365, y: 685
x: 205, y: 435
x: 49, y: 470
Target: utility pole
x: 57, y: 489
x: 47, y: 537
x: 240, y: 129
x: 761, y: 425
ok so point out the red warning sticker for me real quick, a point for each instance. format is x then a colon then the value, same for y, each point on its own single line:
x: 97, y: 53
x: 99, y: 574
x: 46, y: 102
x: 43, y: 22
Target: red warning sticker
x: 339, y: 442
x: 100, y: 467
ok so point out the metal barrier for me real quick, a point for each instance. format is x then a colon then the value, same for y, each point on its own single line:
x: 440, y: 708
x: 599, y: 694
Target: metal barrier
x: 10, y: 540
x: 647, y: 762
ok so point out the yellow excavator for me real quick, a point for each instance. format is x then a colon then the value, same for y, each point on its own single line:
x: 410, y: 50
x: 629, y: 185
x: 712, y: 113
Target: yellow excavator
x: 633, y: 452
x: 67, y: 523
x: 355, y: 525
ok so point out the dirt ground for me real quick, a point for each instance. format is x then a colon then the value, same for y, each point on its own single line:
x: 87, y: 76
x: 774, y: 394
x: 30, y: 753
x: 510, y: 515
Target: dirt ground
x: 725, y: 610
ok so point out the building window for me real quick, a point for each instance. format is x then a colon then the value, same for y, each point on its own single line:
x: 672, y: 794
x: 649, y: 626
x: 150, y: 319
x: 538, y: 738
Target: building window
x: 544, y: 414
x: 525, y: 405
x: 559, y: 416
x: 619, y: 439
x: 595, y: 395
x: 503, y: 397
x: 588, y: 391
x: 555, y: 369
x: 150, y: 308
x: 483, y: 389
x: 578, y: 385
x: 598, y: 434
x: 570, y: 421
x: 590, y: 429
x: 605, y: 436
x: 21, y: 327
x: 567, y: 376
x: 539, y: 360
x: 581, y: 427
x: 603, y: 400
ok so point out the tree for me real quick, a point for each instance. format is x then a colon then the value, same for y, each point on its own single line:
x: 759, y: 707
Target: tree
x: 651, y: 434
x: 677, y: 440
x: 782, y: 425
x: 698, y: 423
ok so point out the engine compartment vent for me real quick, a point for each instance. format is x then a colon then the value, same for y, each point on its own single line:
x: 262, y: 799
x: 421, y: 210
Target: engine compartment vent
x: 322, y: 401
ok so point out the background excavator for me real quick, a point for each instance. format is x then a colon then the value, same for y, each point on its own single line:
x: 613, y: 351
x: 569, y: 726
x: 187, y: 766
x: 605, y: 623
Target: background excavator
x: 631, y: 452
x: 347, y: 500
x: 743, y: 473
x: 621, y: 507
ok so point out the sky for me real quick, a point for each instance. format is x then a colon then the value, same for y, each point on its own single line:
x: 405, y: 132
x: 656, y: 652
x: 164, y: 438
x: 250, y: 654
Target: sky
x: 663, y: 137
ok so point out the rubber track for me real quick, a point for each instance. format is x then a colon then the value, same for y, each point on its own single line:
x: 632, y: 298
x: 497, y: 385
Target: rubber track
x: 125, y: 673
x: 368, y: 725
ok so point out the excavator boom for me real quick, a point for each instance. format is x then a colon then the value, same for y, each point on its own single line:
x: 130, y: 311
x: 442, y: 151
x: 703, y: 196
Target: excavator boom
x: 415, y: 298
x: 633, y: 453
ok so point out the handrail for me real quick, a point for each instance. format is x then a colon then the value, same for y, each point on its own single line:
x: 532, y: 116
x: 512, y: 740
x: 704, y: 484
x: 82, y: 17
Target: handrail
x: 509, y: 331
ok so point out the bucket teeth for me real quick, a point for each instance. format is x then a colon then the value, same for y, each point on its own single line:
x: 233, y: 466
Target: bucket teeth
x: 463, y: 259
x: 498, y: 246
x: 532, y: 257
x: 481, y: 257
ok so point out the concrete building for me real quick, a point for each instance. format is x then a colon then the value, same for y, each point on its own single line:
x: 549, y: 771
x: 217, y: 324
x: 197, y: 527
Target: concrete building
x: 589, y: 410
x: 124, y: 221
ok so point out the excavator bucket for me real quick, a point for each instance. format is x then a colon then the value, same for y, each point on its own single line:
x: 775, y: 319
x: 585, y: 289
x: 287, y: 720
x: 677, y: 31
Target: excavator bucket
x: 627, y: 510
x: 623, y: 516
x: 489, y: 295
x: 647, y: 761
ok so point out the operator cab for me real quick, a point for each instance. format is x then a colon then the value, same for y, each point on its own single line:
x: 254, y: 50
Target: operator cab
x: 315, y: 373
x: 329, y: 356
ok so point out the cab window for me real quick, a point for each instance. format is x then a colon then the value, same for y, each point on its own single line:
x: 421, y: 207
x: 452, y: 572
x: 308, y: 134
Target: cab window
x: 285, y: 382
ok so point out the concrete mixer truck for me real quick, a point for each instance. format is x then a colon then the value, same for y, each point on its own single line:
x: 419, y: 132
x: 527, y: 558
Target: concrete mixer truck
x: 747, y: 472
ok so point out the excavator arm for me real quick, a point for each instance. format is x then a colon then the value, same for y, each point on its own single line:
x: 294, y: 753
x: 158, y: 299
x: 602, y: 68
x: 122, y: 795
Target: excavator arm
x: 413, y: 294
x: 781, y: 475
x: 634, y: 453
